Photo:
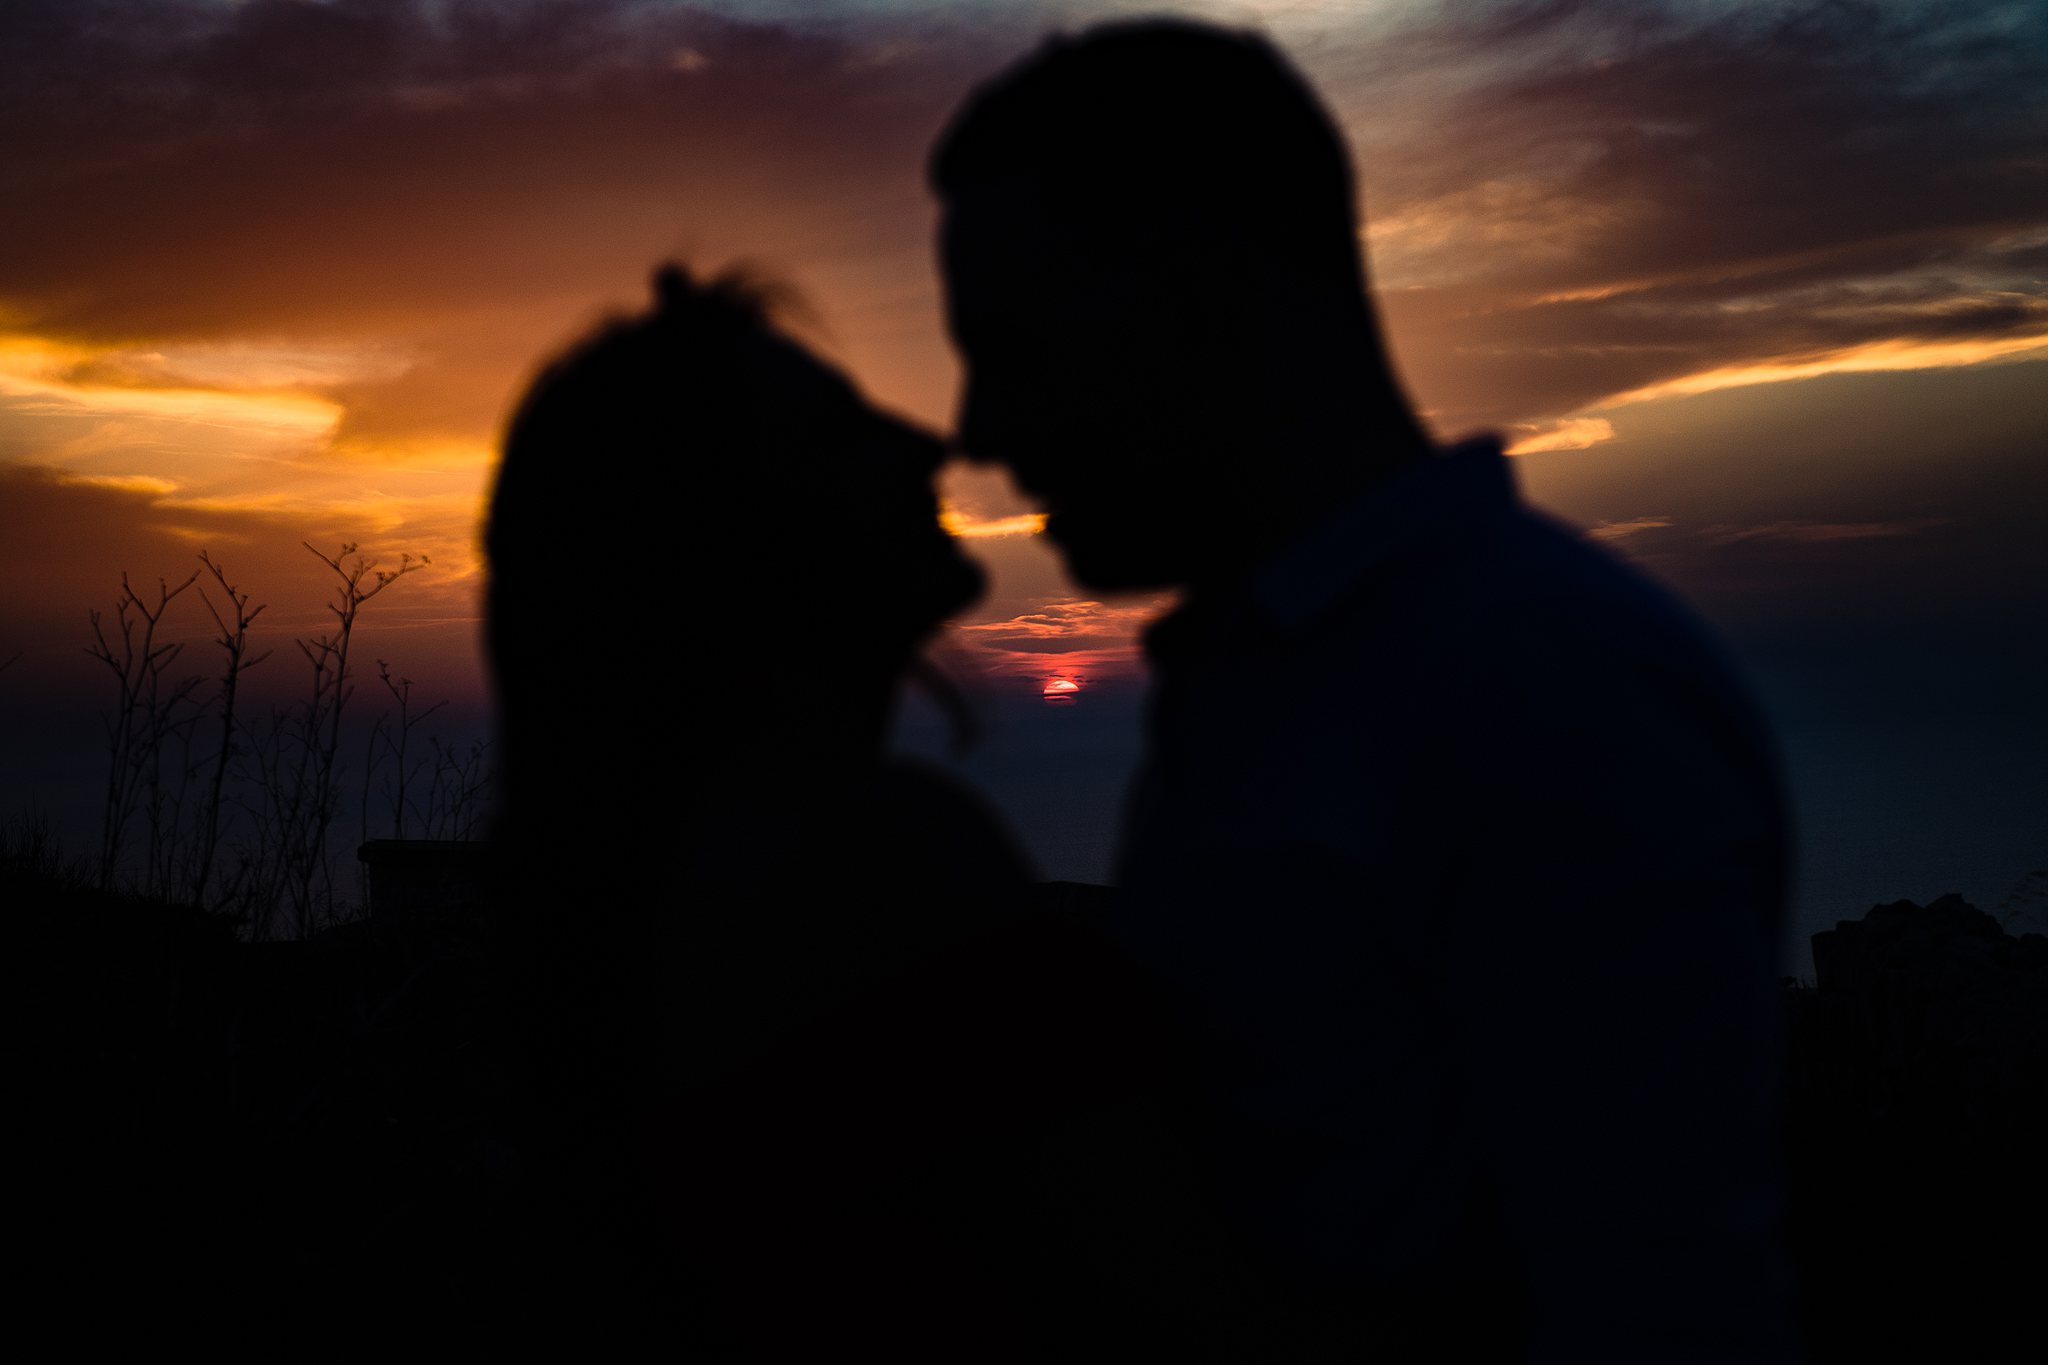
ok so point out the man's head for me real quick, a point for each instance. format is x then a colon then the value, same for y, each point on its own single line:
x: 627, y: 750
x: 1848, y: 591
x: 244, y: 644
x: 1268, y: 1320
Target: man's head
x: 1151, y: 251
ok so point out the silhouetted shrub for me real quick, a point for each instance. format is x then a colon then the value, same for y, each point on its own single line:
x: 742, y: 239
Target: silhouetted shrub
x: 1917, y: 1122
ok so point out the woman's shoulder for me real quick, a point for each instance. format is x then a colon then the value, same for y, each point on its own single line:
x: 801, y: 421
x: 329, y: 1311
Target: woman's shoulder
x: 941, y: 835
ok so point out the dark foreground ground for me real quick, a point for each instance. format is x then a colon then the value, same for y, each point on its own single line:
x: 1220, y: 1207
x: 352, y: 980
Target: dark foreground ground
x: 302, y: 1142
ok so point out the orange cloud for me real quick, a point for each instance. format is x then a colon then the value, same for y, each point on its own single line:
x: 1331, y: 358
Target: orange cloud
x: 960, y: 524
x: 1068, y: 637
x: 1871, y: 356
x: 43, y: 377
x: 1622, y: 530
x: 1564, y: 433
x: 1821, y: 532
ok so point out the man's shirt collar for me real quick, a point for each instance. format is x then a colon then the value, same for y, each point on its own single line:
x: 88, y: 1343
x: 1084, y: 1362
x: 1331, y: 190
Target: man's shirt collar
x: 1462, y: 485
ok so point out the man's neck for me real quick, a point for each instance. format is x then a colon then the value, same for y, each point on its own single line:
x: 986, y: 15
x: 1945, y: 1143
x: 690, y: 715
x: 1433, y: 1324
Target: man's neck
x: 1336, y: 460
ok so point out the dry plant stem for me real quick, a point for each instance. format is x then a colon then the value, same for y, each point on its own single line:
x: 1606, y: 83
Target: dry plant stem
x: 457, y: 794
x: 279, y: 755
x: 176, y: 713
x: 234, y: 642
x: 372, y: 762
x: 284, y: 778
x: 2029, y: 889
x: 398, y: 740
x: 360, y: 581
x: 146, y: 713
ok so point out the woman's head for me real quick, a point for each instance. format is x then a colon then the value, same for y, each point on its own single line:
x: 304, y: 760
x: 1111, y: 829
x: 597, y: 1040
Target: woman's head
x: 695, y: 507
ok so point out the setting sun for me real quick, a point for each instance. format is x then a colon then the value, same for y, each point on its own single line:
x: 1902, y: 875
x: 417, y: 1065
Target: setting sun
x: 1061, y: 689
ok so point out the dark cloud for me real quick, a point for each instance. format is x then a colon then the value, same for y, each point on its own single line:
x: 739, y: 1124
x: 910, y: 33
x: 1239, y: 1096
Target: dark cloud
x: 1728, y: 143
x: 1620, y: 194
x: 1821, y: 532
x: 1574, y: 199
x: 1899, y: 507
x: 192, y: 169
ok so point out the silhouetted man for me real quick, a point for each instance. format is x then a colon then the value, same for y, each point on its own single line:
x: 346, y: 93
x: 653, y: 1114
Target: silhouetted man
x: 1457, y: 839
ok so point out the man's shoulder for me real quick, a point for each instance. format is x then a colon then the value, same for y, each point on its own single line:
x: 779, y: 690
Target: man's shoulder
x: 1524, y: 613
x: 1528, y: 557
x: 1520, y: 577
x: 1568, y: 645
x: 1550, y: 585
x: 1444, y: 551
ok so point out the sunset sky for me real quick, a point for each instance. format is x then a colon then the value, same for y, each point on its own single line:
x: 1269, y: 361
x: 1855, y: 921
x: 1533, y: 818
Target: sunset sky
x: 1758, y: 290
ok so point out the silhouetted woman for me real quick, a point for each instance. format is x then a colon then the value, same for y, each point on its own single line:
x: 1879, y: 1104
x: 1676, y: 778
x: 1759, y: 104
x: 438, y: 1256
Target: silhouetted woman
x: 783, y: 1040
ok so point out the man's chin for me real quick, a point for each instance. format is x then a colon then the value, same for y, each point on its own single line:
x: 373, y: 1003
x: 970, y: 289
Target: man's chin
x: 1108, y: 563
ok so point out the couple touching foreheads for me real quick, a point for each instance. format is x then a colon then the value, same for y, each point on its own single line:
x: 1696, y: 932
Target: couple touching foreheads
x: 1432, y: 1016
